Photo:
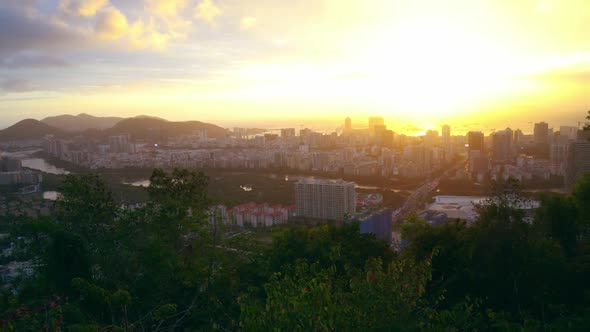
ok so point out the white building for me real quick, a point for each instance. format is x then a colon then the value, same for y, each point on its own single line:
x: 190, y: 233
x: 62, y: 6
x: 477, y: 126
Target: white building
x: 325, y: 199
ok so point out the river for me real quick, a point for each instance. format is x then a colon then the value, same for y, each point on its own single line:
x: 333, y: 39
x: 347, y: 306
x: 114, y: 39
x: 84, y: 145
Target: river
x: 43, y: 165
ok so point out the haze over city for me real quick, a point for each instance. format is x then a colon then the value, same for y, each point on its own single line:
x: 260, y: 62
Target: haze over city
x: 294, y: 165
x: 479, y: 65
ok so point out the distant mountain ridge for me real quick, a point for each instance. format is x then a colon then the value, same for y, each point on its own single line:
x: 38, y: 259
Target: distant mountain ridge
x: 29, y: 129
x: 139, y: 127
x: 81, y: 122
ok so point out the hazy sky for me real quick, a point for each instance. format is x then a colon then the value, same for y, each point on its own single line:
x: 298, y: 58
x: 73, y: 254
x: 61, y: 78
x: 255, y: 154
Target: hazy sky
x: 474, y: 63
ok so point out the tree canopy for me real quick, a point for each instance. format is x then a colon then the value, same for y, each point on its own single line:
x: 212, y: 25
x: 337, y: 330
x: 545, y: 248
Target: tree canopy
x: 163, y: 266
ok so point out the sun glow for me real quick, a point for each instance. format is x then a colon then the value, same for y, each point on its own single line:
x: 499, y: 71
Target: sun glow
x: 411, y: 61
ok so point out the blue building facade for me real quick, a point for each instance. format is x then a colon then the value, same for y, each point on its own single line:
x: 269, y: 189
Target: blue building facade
x: 379, y: 223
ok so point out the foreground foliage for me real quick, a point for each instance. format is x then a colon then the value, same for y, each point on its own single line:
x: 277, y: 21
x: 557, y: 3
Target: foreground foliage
x: 163, y: 266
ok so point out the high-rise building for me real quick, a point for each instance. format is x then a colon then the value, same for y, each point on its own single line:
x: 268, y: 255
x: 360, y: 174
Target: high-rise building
x: 10, y: 165
x: 288, y: 132
x: 305, y: 132
x: 203, y: 135
x: 570, y: 132
x: 475, y: 141
x: 501, y: 146
x: 240, y: 132
x: 578, y: 162
x: 518, y: 137
x: 387, y: 139
x: 375, y: 121
x: 379, y: 131
x: 325, y: 199
x: 55, y: 147
x: 446, y: 135
x: 558, y: 155
x: 446, y: 142
x: 541, y: 133
x: 347, y: 124
x: 479, y: 163
x: 431, y: 138
x: 119, y: 143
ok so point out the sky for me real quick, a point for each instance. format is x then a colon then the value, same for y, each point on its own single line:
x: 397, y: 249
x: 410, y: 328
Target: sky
x: 475, y: 64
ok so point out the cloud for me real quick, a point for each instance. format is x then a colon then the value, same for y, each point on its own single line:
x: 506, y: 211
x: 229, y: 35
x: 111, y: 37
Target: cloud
x: 27, y: 6
x: 166, y: 7
x: 111, y: 24
x: 247, y: 22
x: 33, y: 61
x: 16, y: 85
x: 86, y: 8
x: 145, y: 35
x: 207, y: 11
x: 19, y: 32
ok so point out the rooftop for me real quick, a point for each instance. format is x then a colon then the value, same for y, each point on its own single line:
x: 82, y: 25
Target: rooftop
x: 313, y: 180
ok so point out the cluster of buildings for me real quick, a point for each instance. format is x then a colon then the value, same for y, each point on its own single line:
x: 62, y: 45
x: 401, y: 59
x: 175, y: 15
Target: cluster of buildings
x: 541, y: 156
x: 321, y: 199
x: 252, y: 214
x: 464, y: 208
x: 12, y: 174
x: 24, y: 206
x: 372, y: 151
x: 338, y: 200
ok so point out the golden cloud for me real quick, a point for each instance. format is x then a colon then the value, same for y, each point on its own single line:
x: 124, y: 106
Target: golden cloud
x: 166, y: 7
x: 247, y: 22
x: 207, y: 11
x: 111, y: 24
x: 82, y: 7
x: 144, y: 35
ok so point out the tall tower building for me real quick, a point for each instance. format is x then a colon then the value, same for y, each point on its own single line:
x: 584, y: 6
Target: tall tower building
x: 325, y: 199
x: 569, y: 131
x: 446, y: 135
x: 347, y: 124
x: 288, y: 132
x: 578, y: 162
x: 501, y: 146
x: 475, y: 141
x: 541, y: 133
x: 379, y: 131
x: 375, y: 121
x: 431, y: 138
x: 446, y: 142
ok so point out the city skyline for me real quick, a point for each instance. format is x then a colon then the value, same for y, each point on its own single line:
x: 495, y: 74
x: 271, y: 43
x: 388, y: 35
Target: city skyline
x: 342, y: 126
x: 232, y: 63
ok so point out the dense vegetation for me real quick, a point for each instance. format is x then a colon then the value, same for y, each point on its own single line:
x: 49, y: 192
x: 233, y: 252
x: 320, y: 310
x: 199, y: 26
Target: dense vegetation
x: 163, y: 267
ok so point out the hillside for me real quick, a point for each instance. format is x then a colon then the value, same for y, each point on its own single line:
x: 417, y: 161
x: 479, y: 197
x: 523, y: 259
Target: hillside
x: 81, y: 122
x: 141, y: 127
x: 28, y: 129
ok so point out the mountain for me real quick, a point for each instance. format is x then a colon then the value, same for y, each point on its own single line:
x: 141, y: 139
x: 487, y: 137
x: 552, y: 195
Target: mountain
x: 81, y: 122
x: 29, y: 129
x: 142, y: 127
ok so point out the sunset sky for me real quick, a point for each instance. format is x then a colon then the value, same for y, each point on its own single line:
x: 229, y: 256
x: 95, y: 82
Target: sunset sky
x: 475, y: 64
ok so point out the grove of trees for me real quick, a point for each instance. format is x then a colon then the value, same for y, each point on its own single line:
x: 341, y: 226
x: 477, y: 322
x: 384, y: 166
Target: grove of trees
x: 163, y: 266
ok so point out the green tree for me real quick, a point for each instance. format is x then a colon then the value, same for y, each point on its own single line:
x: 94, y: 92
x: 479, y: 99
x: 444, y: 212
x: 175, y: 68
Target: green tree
x: 67, y: 258
x: 557, y: 218
x: 86, y: 207
x: 581, y: 197
x: 309, y: 298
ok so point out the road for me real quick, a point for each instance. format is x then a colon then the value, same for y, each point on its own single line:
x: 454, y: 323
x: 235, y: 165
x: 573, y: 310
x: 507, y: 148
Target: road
x: 418, y: 198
